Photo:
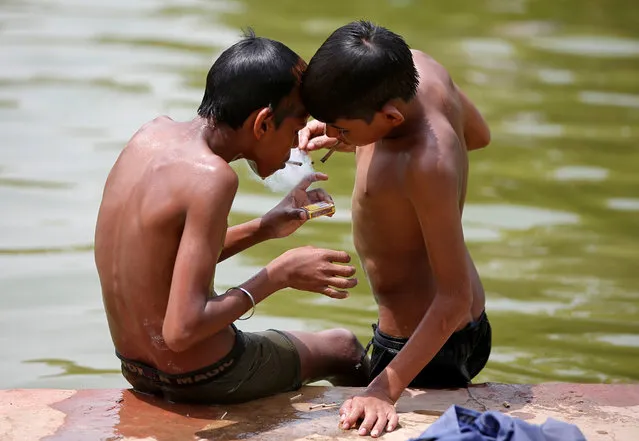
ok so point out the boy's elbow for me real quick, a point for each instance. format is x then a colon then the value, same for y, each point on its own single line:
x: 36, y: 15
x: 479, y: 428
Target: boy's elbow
x: 479, y: 140
x: 484, y: 139
x: 459, y: 303
x: 467, y: 300
x: 463, y: 300
x: 177, y: 338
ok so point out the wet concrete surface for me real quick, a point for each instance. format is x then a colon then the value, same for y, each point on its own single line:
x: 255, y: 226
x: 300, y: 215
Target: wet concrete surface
x: 602, y: 412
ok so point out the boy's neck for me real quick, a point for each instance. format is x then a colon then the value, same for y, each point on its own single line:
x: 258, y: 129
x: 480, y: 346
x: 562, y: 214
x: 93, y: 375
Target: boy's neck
x: 413, y: 113
x: 222, y: 140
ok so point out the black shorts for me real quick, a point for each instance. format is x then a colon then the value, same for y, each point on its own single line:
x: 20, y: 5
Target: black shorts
x: 461, y: 358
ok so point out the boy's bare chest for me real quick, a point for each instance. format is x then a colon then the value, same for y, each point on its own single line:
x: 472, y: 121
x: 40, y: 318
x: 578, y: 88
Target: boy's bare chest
x: 384, y: 219
x: 380, y: 175
x: 381, y: 183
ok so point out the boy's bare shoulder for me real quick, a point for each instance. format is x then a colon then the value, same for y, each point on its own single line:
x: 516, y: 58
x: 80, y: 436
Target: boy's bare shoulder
x: 436, y: 153
x: 435, y: 149
x: 217, y: 172
x: 431, y: 71
x: 200, y: 175
x: 433, y: 159
x: 149, y: 130
x: 183, y: 162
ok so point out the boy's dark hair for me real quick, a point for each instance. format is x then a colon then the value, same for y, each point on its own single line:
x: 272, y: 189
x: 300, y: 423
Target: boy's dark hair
x: 358, y: 69
x: 255, y: 72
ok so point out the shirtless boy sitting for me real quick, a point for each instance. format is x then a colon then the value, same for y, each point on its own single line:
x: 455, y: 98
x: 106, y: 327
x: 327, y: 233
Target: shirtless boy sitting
x: 413, y: 127
x: 162, y: 227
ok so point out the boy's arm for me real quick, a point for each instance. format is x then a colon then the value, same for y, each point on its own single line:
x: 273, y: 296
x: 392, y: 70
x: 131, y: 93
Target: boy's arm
x: 432, y: 186
x: 192, y: 314
x: 281, y: 221
x: 243, y: 236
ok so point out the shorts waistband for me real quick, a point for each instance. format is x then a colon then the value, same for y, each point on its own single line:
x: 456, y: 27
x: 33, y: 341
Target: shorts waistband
x: 397, y: 343
x: 200, y: 376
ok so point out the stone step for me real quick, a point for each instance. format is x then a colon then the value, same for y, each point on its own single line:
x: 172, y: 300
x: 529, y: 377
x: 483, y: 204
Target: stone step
x: 606, y: 412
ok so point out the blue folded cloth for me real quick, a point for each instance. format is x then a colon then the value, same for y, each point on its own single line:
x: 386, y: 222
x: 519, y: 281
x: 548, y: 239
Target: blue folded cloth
x: 461, y: 424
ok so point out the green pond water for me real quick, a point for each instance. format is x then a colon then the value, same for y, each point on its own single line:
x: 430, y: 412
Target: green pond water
x: 552, y: 218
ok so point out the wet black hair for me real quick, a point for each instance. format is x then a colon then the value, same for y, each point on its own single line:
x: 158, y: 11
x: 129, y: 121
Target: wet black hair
x: 253, y: 73
x: 358, y: 69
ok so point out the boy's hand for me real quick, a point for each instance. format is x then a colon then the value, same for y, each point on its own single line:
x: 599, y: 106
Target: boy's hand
x: 288, y: 215
x: 314, y: 270
x: 376, y: 409
x: 313, y: 137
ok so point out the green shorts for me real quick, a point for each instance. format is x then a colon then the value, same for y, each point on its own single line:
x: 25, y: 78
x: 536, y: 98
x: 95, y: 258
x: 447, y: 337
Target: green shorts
x: 260, y: 364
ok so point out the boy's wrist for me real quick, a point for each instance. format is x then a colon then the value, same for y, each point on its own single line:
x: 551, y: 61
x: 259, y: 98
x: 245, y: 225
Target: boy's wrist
x: 276, y: 275
x: 385, y: 386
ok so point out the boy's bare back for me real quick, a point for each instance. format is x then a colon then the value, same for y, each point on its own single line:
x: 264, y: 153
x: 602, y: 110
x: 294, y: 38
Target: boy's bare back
x: 138, y: 233
x: 387, y: 231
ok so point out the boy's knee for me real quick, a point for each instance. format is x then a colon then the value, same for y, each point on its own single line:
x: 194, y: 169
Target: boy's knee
x: 345, y: 342
x: 342, y: 335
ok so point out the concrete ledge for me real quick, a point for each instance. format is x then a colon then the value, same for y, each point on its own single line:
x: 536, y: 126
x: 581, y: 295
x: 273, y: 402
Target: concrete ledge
x: 602, y: 412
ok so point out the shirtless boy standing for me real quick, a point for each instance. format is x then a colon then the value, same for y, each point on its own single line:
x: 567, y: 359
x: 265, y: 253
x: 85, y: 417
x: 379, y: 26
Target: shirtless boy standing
x: 413, y: 127
x: 162, y: 227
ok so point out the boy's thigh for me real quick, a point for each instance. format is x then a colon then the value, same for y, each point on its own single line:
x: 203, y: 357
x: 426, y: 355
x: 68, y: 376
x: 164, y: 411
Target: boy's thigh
x: 269, y: 365
x: 461, y: 358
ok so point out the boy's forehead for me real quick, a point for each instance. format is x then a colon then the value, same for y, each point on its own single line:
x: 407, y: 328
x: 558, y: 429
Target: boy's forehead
x: 298, y: 110
x: 292, y: 106
x: 294, y: 103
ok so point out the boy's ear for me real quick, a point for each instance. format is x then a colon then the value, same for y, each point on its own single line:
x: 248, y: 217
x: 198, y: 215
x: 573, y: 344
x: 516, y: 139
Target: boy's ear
x: 263, y: 121
x: 392, y: 115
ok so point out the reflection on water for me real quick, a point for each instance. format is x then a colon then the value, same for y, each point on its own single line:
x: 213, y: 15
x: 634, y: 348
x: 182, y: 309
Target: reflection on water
x: 551, y: 216
x: 624, y: 204
x: 610, y: 99
x: 591, y: 46
x: 577, y: 173
x: 629, y: 340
